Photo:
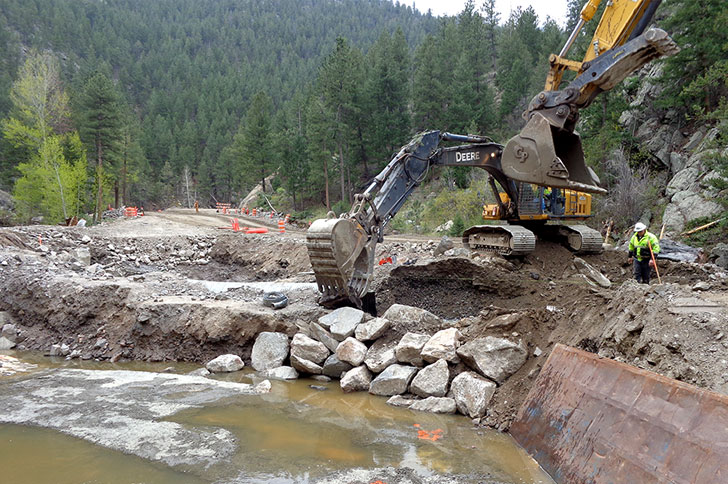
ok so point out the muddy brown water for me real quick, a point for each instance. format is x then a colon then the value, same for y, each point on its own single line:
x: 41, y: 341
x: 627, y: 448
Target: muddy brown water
x: 295, y: 434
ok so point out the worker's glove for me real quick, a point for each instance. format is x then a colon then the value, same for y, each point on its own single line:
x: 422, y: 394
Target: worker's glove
x: 652, y: 263
x: 629, y: 261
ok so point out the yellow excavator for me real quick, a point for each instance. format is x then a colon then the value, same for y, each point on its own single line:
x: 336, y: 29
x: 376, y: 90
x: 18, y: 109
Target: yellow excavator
x: 541, y: 171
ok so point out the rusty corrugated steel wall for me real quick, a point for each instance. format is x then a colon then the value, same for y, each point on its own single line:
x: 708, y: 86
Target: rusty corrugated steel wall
x: 591, y: 420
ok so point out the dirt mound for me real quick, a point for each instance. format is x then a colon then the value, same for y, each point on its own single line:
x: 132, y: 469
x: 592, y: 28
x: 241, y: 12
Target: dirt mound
x: 264, y: 257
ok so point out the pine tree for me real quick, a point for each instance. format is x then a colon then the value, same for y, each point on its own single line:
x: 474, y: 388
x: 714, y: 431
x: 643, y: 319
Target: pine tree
x: 100, y: 125
x: 256, y: 139
x: 338, y: 82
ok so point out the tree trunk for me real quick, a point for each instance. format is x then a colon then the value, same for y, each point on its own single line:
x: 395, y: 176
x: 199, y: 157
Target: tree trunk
x: 123, y: 181
x: 116, y: 193
x: 326, y: 180
x: 99, y: 174
x: 343, y: 172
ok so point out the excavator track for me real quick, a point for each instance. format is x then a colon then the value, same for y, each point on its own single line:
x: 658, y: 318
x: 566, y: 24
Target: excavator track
x: 510, y: 240
x: 582, y: 239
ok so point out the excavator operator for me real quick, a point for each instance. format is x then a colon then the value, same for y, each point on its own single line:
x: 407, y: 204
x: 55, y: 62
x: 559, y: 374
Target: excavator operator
x: 642, y: 247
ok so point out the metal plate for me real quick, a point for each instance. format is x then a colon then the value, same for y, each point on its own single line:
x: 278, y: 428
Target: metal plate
x: 590, y: 420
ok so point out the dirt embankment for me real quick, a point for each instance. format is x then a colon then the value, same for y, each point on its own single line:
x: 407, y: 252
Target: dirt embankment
x: 131, y: 289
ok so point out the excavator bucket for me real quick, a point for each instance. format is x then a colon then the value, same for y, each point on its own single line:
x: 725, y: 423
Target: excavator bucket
x: 546, y: 155
x: 342, y: 257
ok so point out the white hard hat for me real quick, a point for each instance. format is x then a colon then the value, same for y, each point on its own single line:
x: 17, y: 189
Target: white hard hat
x: 639, y: 227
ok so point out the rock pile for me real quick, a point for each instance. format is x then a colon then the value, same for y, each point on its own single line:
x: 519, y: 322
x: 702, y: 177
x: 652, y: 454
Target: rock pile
x: 435, y: 372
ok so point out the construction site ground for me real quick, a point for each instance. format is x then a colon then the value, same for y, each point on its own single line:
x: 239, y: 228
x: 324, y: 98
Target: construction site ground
x: 141, y: 297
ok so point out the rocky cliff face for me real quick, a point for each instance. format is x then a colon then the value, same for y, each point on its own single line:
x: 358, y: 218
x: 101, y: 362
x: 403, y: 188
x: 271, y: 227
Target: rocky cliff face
x: 683, y: 153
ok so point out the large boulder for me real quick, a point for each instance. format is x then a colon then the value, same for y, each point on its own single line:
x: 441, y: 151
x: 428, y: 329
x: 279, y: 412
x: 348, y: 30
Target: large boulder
x: 269, y: 351
x: 225, y: 364
x: 472, y: 393
x: 333, y: 367
x: 443, y: 344
x: 432, y: 380
x: 320, y: 334
x: 394, y: 380
x: 409, y: 348
x: 9, y: 330
x: 408, y: 318
x: 495, y: 358
x: 305, y: 348
x: 305, y: 366
x: 686, y: 206
x: 341, y: 321
x: 372, y: 329
x: 356, y: 380
x: 381, y: 355
x: 435, y: 405
x: 351, y: 351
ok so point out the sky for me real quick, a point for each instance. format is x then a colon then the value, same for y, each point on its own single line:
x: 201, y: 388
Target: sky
x: 556, y: 9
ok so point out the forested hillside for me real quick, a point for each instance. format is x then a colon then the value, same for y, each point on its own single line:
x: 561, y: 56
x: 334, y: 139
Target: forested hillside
x: 165, y: 102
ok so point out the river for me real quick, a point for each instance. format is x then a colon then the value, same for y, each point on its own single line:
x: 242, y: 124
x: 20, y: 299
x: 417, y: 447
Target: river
x: 302, y: 431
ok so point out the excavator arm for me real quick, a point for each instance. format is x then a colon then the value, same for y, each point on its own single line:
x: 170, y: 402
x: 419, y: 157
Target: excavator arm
x: 342, y: 249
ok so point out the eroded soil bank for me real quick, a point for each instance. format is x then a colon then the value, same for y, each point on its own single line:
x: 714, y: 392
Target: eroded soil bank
x: 131, y: 289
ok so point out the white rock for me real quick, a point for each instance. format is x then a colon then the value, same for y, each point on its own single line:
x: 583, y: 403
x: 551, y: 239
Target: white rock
x: 443, y: 344
x: 380, y: 356
x: 372, y: 329
x: 432, y: 380
x: 269, y: 351
x: 305, y: 348
x: 305, y: 366
x: 356, y: 380
x: 492, y: 357
x: 281, y: 373
x: 409, y: 348
x: 351, y: 351
x: 225, y: 363
x: 472, y: 393
x: 408, y: 318
x: 394, y: 380
x: 345, y: 316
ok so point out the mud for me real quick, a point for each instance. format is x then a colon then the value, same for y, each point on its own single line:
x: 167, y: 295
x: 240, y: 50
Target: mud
x: 138, y: 299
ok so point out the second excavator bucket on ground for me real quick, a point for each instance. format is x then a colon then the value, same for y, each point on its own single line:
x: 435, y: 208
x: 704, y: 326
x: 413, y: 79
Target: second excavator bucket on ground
x: 546, y: 155
x: 342, y: 258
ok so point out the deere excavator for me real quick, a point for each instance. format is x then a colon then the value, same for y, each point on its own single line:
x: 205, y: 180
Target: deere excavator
x: 541, y: 171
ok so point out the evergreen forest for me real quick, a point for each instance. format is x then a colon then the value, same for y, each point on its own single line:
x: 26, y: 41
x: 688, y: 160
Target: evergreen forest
x: 167, y: 102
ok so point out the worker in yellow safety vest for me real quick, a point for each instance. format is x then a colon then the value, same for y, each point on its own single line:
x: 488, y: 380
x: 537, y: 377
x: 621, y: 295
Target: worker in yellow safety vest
x: 640, y: 246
